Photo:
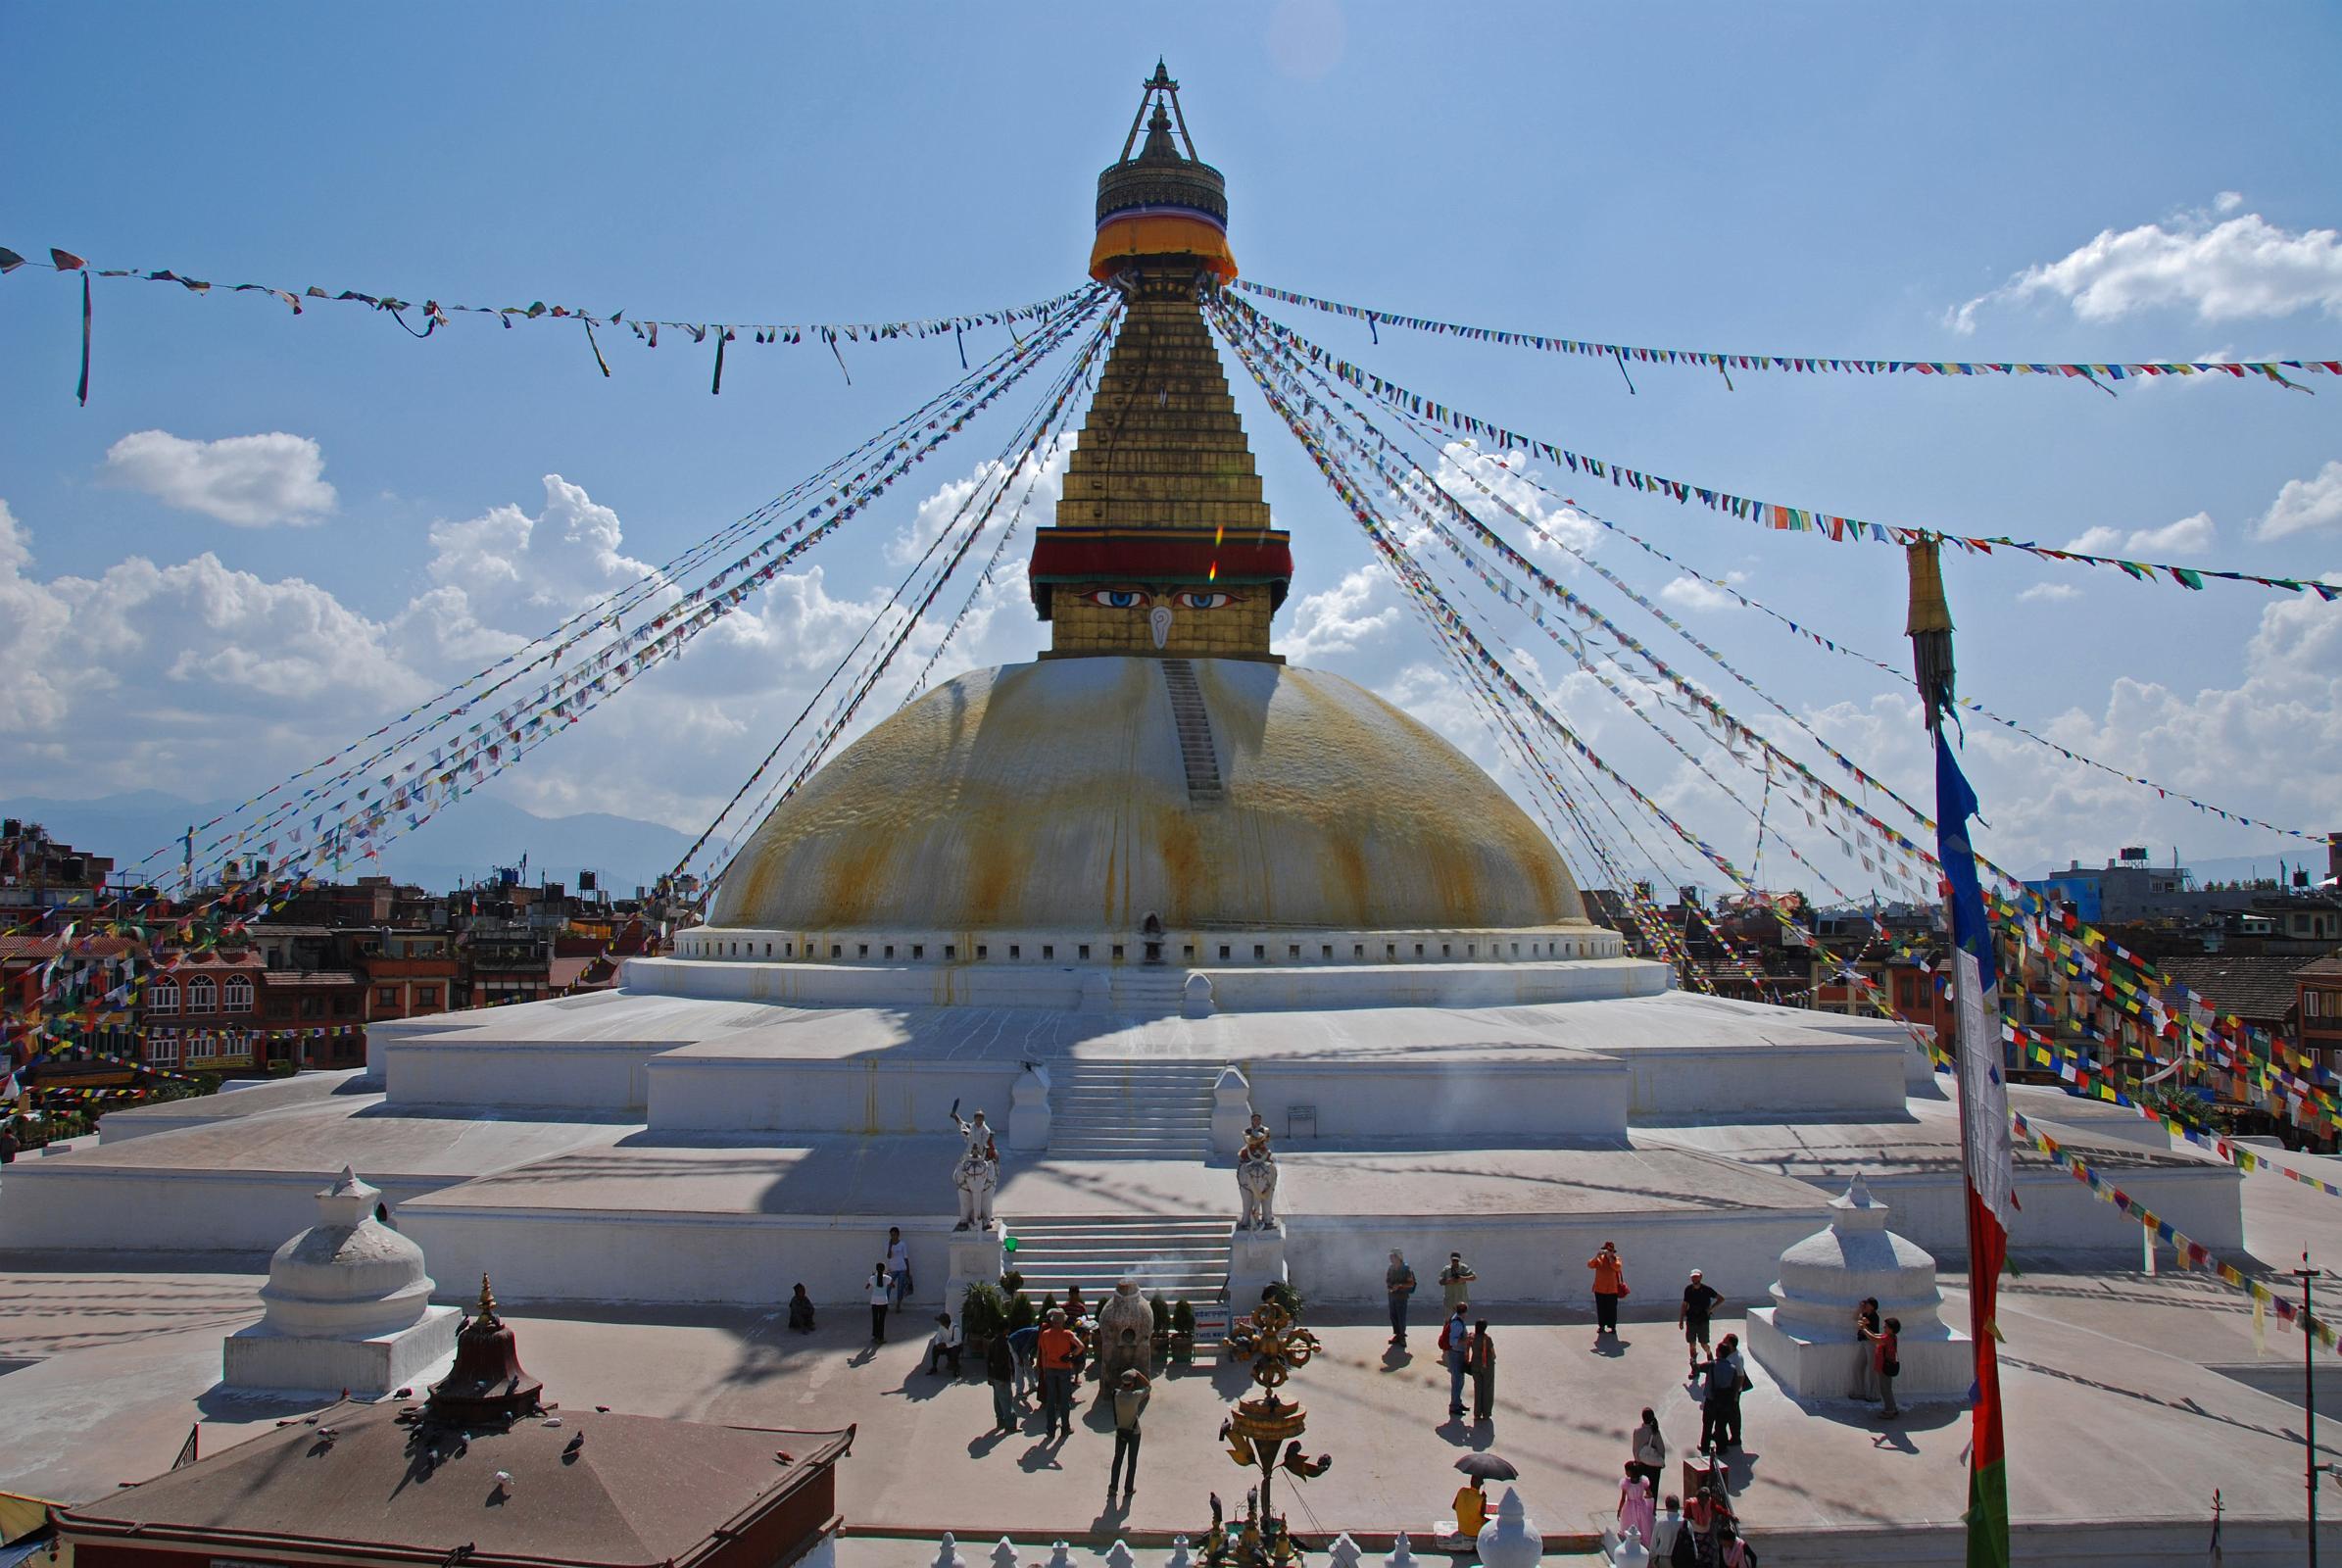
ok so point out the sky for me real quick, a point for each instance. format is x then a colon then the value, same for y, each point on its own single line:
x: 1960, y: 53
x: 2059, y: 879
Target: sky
x: 267, y: 534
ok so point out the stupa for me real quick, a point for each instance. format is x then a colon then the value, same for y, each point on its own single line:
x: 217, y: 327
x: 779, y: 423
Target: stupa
x: 1123, y: 896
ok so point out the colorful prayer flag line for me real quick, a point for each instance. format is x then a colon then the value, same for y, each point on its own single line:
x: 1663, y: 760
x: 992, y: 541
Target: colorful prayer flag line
x: 2097, y: 375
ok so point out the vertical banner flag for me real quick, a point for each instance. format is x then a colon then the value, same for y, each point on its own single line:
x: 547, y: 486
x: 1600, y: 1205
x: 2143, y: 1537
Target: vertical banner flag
x: 1983, y: 1150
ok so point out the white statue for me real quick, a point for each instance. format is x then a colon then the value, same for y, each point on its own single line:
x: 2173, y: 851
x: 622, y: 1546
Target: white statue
x: 1256, y: 1184
x: 978, y: 1173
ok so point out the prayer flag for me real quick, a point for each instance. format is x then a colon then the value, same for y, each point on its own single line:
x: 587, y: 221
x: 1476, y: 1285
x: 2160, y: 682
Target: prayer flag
x: 1984, y: 1148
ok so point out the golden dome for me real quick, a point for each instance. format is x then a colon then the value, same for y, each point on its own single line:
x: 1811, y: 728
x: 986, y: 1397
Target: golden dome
x: 1088, y: 794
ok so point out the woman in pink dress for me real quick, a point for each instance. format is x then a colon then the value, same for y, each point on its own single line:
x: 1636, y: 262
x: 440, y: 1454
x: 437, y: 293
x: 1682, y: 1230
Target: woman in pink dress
x: 1636, y: 1509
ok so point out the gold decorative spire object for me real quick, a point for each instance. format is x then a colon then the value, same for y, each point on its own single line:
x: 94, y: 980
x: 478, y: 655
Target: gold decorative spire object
x: 1163, y: 544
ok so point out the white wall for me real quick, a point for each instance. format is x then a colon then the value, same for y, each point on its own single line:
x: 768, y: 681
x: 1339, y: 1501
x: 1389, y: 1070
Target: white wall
x: 573, y: 1075
x: 860, y: 1095
x: 1459, y: 1100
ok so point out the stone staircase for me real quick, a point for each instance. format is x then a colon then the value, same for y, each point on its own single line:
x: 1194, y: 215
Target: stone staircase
x: 1131, y: 1109
x: 1150, y: 990
x: 1188, y: 716
x: 1175, y: 1256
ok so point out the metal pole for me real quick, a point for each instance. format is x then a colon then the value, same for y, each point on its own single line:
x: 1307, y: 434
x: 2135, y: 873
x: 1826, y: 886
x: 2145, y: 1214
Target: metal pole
x: 2310, y: 1466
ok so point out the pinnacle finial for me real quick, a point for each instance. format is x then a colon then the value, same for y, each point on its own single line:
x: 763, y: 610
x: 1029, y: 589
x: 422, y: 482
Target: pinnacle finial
x: 487, y: 1307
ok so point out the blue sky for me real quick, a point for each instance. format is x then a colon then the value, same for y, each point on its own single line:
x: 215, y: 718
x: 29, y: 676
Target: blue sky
x: 1810, y: 179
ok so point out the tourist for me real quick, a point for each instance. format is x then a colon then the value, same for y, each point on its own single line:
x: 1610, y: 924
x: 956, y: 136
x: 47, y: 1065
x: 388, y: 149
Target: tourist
x: 1699, y: 1300
x: 1455, y: 1281
x: 801, y: 1310
x: 1728, y: 1381
x: 1398, y: 1280
x: 1483, y: 1358
x: 1886, y: 1348
x: 1649, y: 1445
x: 1076, y: 1309
x: 1731, y: 1550
x: 1636, y: 1509
x: 1610, y: 1283
x: 1665, y: 1528
x: 1705, y: 1378
x: 1130, y: 1402
x: 882, y: 1291
x: 1021, y: 1343
x: 944, y: 1343
x: 898, y: 1265
x: 1000, y: 1371
x: 1470, y: 1509
x: 1455, y: 1353
x: 1866, y: 1329
x: 1055, y: 1351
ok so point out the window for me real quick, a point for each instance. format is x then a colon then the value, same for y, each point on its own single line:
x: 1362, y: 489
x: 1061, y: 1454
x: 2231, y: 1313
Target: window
x: 1325, y: 952
x: 427, y: 996
x: 862, y: 949
x: 1261, y: 952
x: 836, y: 951
x: 1357, y: 950
x: 345, y: 1006
x: 1418, y: 950
x: 2310, y: 1004
x: 162, y: 997
x: 1085, y: 949
x: 1049, y: 949
x: 950, y: 949
x: 890, y: 950
x: 201, y: 1047
x: 238, y: 993
x: 983, y: 951
x: 788, y: 949
x: 768, y: 950
x: 1517, y: 949
x: 1186, y: 953
x: 163, y: 1047
x: 202, y: 995
x: 1292, y: 950
x: 1015, y: 951
x: 1117, y: 950
x: 1447, y: 952
x: 387, y: 995
x: 1390, y: 950
x: 918, y: 950
x: 1223, y: 952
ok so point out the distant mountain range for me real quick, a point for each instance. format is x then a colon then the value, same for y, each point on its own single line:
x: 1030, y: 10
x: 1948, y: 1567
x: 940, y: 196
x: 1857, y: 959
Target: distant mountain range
x: 465, y: 843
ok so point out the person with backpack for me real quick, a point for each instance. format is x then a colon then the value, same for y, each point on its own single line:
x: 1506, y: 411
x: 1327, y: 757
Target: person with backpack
x: 1887, y: 1346
x: 1130, y: 1404
x: 1455, y: 1353
x: 1728, y: 1381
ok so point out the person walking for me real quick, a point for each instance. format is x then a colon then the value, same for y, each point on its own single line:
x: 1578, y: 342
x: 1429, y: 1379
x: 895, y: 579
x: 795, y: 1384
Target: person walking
x: 1483, y: 1372
x: 1055, y: 1351
x: 1000, y: 1371
x: 1729, y: 1381
x: 898, y: 1265
x: 882, y: 1290
x: 1636, y: 1512
x: 1455, y: 1353
x: 1699, y: 1302
x: 1649, y: 1447
x: 1398, y: 1280
x: 1610, y: 1283
x: 1130, y: 1404
x: 1886, y: 1348
x: 1455, y: 1281
x: 801, y: 1310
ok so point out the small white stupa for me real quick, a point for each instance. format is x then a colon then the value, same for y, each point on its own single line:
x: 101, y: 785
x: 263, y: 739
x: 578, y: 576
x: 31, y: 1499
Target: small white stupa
x: 348, y: 1306
x: 1807, y: 1338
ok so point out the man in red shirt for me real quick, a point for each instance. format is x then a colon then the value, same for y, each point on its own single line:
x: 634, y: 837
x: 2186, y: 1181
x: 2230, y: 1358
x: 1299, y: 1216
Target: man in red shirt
x: 1055, y: 1352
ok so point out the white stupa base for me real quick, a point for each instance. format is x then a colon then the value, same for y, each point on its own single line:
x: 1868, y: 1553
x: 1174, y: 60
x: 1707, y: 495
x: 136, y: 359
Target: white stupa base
x: 1256, y: 1262
x: 1934, y: 1370
x: 260, y: 1357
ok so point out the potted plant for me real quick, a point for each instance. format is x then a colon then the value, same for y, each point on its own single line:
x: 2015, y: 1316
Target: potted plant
x: 1160, y: 1309
x: 1048, y: 1304
x: 1012, y: 1282
x: 1183, y: 1332
x: 983, y: 1315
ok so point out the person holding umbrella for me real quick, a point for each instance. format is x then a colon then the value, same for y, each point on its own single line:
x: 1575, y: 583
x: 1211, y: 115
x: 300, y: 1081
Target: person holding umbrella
x: 1471, y: 1503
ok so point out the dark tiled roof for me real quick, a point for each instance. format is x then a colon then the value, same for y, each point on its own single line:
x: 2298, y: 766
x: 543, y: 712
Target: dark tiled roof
x: 2252, y: 985
x: 2322, y: 968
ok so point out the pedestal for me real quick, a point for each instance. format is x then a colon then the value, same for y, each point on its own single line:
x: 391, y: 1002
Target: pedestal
x: 977, y: 1258
x: 1231, y: 1112
x: 1935, y: 1370
x: 1029, y: 1111
x: 261, y: 1357
x: 1256, y: 1262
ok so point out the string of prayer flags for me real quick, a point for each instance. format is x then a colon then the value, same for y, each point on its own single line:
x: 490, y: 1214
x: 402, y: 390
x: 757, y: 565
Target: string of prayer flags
x: 2097, y: 375
x: 1775, y: 517
x: 437, y: 314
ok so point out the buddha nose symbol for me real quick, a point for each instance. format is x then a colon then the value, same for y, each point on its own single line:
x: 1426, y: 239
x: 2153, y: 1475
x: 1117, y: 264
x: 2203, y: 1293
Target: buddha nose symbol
x: 1159, y: 620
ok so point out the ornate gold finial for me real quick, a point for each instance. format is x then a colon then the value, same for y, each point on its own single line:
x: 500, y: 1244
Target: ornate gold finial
x: 487, y: 1307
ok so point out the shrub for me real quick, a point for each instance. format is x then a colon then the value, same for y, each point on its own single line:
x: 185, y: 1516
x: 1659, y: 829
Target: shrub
x: 1183, y: 1318
x: 1162, y: 1313
x: 1021, y: 1314
x: 983, y: 1313
x: 1011, y: 1281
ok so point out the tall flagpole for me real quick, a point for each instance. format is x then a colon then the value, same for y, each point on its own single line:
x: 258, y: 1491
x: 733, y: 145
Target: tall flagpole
x: 1984, y: 1156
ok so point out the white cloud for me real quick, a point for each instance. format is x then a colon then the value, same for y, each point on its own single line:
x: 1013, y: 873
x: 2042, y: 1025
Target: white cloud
x: 2304, y: 503
x: 252, y: 481
x: 2239, y: 268
x: 1691, y: 593
x: 2189, y: 536
x: 2227, y: 201
x: 2050, y: 593
x: 1337, y: 620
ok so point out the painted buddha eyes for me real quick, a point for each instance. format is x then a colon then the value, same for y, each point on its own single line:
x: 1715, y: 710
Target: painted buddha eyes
x: 1139, y: 599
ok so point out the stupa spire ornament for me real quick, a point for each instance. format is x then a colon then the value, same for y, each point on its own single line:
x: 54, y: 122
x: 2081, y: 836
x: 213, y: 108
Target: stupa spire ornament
x: 1162, y: 544
x: 1255, y: 1430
